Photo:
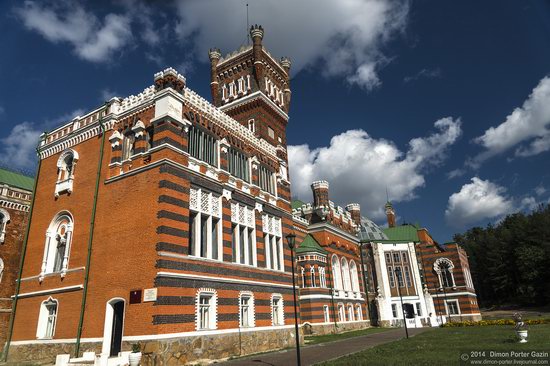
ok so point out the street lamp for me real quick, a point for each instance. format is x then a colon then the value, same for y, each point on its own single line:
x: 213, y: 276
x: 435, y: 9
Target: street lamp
x: 291, y: 240
x: 363, y: 235
x: 398, y: 274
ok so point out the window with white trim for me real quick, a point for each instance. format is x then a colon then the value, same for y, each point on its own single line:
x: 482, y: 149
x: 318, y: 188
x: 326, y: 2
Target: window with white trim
x: 391, y: 277
x: 453, y: 307
x: 65, y: 171
x: 407, y: 276
x: 277, y: 312
x: 444, y: 269
x: 336, y: 273
x: 312, y: 274
x: 58, y: 245
x: 326, y: 314
x: 251, y: 125
x: 47, y: 319
x: 359, y: 312
x: 265, y: 179
x: 205, y: 224
x: 394, y: 310
x: 128, y: 145
x: 303, y: 276
x: 243, y: 234
x: 206, y: 310
x: 272, y: 229
x: 345, y: 275
x: 341, y: 313
x: 351, y: 315
x: 246, y: 310
x: 354, y: 276
x: 418, y: 309
x: 202, y: 145
x: 238, y: 164
x: 322, y: 277
x: 4, y: 218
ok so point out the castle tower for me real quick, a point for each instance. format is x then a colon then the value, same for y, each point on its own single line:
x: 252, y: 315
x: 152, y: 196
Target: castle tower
x: 390, y: 214
x: 253, y: 87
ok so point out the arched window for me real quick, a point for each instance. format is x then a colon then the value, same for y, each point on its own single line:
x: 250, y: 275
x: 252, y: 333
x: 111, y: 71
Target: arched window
x: 354, y: 276
x: 65, y: 171
x: 128, y: 144
x: 351, y: 315
x: 58, y: 245
x: 359, y: 312
x: 345, y: 275
x: 312, y: 274
x: 4, y: 218
x: 47, y: 319
x: 336, y: 273
x: 303, y: 275
x: 444, y: 269
x: 322, y: 277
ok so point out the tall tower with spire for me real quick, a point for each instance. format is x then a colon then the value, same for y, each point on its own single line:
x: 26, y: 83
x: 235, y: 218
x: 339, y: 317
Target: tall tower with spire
x: 253, y: 87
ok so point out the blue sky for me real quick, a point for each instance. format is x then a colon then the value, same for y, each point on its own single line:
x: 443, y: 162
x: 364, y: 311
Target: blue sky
x: 445, y: 104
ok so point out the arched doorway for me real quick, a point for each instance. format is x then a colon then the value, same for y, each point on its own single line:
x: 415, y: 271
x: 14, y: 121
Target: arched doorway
x: 114, y: 325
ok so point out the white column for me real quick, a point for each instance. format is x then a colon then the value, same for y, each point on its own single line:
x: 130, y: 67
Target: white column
x: 65, y: 264
x: 43, y: 268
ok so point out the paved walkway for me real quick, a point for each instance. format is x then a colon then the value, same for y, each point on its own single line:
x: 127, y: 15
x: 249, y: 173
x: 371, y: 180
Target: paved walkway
x: 324, y: 351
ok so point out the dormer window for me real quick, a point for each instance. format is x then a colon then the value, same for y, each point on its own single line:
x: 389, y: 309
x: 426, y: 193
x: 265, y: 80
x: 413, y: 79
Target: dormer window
x: 65, y: 172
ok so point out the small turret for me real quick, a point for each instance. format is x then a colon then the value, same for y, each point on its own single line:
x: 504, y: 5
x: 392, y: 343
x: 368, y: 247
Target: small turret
x: 214, y: 55
x: 257, y: 34
x: 390, y: 214
x: 355, y: 210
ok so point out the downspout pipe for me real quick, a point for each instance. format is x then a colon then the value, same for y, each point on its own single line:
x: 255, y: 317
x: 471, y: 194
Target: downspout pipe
x: 22, y: 260
x: 90, y: 240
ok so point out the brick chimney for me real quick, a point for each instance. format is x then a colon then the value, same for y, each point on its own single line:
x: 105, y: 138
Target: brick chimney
x: 320, y: 193
x: 390, y: 214
x: 355, y: 210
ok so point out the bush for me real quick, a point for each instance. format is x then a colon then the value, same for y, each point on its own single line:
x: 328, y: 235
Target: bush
x: 481, y: 323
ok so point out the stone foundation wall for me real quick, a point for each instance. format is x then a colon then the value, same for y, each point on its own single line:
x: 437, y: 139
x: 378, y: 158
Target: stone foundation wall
x: 171, y: 351
x: 321, y: 329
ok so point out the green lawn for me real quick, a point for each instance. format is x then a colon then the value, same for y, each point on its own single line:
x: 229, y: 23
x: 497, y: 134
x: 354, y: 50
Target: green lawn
x: 335, y: 337
x: 442, y: 346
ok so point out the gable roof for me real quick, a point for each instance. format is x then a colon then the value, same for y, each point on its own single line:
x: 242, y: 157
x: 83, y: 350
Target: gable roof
x: 405, y: 232
x: 308, y: 245
x: 16, y: 180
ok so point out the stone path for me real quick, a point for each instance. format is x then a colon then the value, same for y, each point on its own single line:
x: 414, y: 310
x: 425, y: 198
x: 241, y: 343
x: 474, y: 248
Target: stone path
x: 324, y: 351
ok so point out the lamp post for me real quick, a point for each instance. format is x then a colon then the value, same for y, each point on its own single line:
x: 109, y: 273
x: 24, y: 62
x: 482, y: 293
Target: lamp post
x: 291, y: 240
x: 398, y: 273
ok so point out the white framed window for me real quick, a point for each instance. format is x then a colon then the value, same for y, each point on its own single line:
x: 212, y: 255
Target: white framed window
x: 345, y: 275
x: 224, y: 92
x: 4, y: 218
x: 336, y: 273
x: 358, y: 312
x: 326, y: 314
x: 246, y: 310
x: 394, y: 310
x: 58, y: 245
x: 274, y: 255
x: 418, y: 309
x: 128, y: 145
x: 243, y: 234
x: 65, y: 171
x: 322, y: 277
x: 265, y: 179
x: 312, y: 274
x: 47, y: 319
x: 453, y: 307
x: 391, y: 277
x: 303, y: 276
x: 206, y: 309
x: 277, y: 310
x: 341, y: 313
x: 251, y: 125
x: 205, y: 225
x: 354, y: 276
x: 407, y: 276
x: 444, y: 269
x: 351, y: 315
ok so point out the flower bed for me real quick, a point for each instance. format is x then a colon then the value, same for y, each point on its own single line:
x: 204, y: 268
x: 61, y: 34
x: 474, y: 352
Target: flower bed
x: 494, y: 322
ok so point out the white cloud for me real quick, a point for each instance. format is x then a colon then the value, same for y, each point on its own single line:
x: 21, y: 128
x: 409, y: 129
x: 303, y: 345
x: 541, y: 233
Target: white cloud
x: 18, y: 148
x: 360, y: 167
x: 476, y: 201
x: 540, y: 190
x: 527, y: 128
x: 93, y: 40
x: 456, y: 173
x: 424, y: 74
x: 107, y: 94
x: 341, y: 38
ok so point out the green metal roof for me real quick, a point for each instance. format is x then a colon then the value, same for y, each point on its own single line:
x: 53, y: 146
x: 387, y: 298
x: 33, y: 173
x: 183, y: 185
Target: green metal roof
x: 297, y: 204
x: 16, y: 180
x: 406, y: 233
x: 308, y: 245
